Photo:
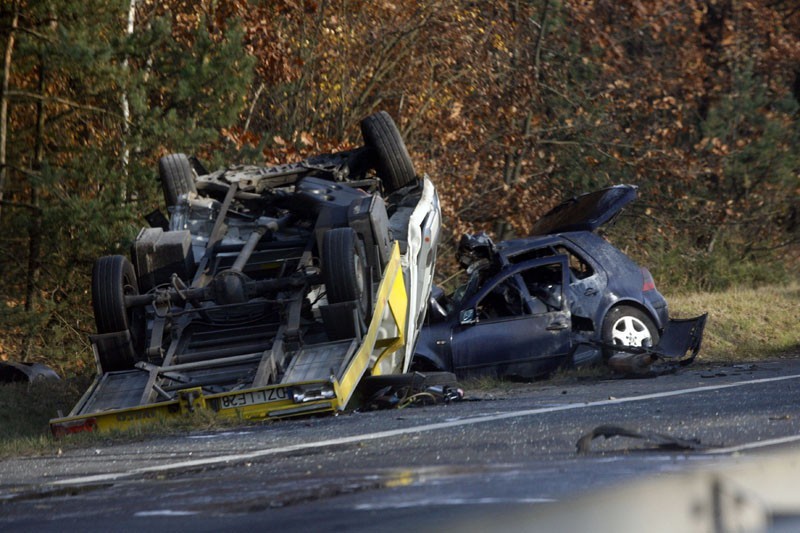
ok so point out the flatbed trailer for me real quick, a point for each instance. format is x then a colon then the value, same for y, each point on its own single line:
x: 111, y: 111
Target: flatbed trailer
x: 269, y: 292
x: 322, y: 378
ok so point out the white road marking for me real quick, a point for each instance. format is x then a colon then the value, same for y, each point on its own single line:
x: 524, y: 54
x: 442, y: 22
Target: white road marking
x: 165, y: 512
x: 100, y: 478
x: 430, y: 502
x: 754, y: 445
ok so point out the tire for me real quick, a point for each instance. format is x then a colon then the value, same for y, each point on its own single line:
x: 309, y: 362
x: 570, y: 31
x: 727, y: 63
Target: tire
x: 177, y: 178
x: 344, y: 269
x: 392, y: 161
x: 628, y: 326
x: 113, y: 278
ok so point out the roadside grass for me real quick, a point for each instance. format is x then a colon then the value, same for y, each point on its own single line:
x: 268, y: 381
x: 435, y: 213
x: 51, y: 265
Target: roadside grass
x: 743, y: 325
x: 26, y: 409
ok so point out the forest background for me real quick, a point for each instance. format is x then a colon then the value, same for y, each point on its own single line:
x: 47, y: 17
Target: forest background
x: 509, y: 106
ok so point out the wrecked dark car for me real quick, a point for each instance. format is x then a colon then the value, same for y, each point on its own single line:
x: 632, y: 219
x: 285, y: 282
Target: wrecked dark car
x: 563, y: 296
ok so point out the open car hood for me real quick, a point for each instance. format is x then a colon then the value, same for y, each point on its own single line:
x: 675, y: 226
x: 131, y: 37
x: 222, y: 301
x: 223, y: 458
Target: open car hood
x: 586, y: 212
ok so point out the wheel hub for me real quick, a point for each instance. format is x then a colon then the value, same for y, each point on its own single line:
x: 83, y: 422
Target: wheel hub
x: 630, y: 331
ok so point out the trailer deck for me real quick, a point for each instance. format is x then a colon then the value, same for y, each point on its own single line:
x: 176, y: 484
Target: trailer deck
x: 319, y: 378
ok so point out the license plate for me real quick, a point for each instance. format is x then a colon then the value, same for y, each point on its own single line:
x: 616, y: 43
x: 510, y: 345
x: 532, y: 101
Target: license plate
x: 245, y: 398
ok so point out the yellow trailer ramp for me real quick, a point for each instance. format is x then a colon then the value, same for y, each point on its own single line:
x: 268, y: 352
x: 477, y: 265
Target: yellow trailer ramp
x: 320, y: 378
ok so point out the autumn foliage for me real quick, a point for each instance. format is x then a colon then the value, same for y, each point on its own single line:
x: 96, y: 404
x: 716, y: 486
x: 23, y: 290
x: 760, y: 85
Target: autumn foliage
x: 508, y: 106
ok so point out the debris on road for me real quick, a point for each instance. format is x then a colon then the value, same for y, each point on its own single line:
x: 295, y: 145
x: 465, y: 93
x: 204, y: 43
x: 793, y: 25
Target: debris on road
x: 661, y: 440
x: 409, y: 390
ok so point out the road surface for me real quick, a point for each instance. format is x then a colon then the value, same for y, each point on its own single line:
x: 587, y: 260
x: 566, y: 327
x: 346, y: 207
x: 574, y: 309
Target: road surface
x: 431, y: 468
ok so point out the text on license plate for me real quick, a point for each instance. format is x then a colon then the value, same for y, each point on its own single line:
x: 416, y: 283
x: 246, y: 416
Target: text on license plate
x: 254, y: 397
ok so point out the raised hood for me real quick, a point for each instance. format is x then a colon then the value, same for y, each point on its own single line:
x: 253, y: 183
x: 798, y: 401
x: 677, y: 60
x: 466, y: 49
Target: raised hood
x: 586, y: 212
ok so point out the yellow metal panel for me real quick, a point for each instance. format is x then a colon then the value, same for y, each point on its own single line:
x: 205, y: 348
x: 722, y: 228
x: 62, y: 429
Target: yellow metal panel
x: 273, y: 400
x: 398, y: 302
x: 398, y: 305
x: 390, y: 292
x: 118, y: 419
x: 189, y: 401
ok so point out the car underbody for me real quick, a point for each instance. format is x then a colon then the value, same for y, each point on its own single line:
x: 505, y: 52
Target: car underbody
x: 272, y: 290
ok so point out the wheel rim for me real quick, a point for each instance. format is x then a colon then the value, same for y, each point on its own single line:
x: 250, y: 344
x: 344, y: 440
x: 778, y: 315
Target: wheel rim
x: 359, y: 272
x: 630, y: 331
x: 134, y: 315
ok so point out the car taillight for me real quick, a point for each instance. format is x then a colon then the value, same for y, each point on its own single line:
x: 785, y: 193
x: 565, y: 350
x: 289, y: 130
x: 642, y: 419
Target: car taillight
x: 648, y: 284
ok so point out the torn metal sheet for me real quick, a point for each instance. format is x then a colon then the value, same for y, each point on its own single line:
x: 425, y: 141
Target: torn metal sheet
x: 408, y: 390
x: 660, y: 440
x: 679, y: 345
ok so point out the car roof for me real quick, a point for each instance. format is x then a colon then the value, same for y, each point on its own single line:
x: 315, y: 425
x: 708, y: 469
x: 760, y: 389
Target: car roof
x: 586, y: 212
x: 512, y: 251
x: 513, y: 247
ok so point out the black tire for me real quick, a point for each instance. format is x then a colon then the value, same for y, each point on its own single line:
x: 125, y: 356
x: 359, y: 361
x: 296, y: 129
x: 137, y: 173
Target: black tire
x: 628, y: 326
x: 344, y: 269
x: 177, y: 178
x: 113, y: 278
x: 392, y: 162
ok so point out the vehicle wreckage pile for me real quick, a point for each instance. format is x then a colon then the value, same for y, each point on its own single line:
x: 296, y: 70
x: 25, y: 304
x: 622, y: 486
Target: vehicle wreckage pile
x: 563, y: 296
x: 276, y: 291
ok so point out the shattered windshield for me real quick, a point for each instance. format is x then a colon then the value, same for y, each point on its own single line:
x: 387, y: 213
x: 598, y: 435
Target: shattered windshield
x: 478, y: 272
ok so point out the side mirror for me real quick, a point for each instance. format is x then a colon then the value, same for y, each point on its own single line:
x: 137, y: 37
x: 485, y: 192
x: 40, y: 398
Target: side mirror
x: 467, y: 316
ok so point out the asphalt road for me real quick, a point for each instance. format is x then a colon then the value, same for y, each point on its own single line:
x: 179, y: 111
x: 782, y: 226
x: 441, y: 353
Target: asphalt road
x: 432, y: 468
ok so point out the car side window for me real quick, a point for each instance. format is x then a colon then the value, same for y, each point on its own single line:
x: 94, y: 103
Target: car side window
x: 544, y: 283
x: 579, y: 268
x: 504, y: 301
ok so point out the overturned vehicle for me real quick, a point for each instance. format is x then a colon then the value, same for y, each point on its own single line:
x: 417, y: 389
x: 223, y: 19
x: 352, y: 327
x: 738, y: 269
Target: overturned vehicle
x: 269, y: 291
x: 563, y: 296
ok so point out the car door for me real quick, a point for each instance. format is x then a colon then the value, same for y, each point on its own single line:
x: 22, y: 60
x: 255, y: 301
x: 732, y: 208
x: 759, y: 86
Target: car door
x: 517, y: 324
x: 587, y: 281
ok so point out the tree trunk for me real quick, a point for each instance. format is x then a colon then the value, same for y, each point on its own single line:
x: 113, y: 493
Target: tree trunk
x: 35, y: 227
x: 4, y: 101
x: 126, y: 108
x: 537, y: 50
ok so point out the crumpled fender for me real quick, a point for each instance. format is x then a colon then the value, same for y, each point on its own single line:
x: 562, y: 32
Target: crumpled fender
x: 679, y: 344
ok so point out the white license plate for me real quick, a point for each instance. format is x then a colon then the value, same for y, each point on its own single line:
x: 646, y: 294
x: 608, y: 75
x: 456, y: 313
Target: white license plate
x: 242, y: 399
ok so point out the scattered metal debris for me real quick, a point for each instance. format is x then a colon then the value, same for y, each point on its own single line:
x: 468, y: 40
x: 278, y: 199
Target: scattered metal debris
x: 662, y: 441
x: 13, y: 372
x: 410, y: 390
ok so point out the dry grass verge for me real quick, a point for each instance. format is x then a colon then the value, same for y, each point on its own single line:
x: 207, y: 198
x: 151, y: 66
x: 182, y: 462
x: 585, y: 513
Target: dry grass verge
x: 745, y: 324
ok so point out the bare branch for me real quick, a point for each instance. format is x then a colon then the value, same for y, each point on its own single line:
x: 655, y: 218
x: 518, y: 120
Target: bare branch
x: 30, y: 207
x: 55, y: 99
